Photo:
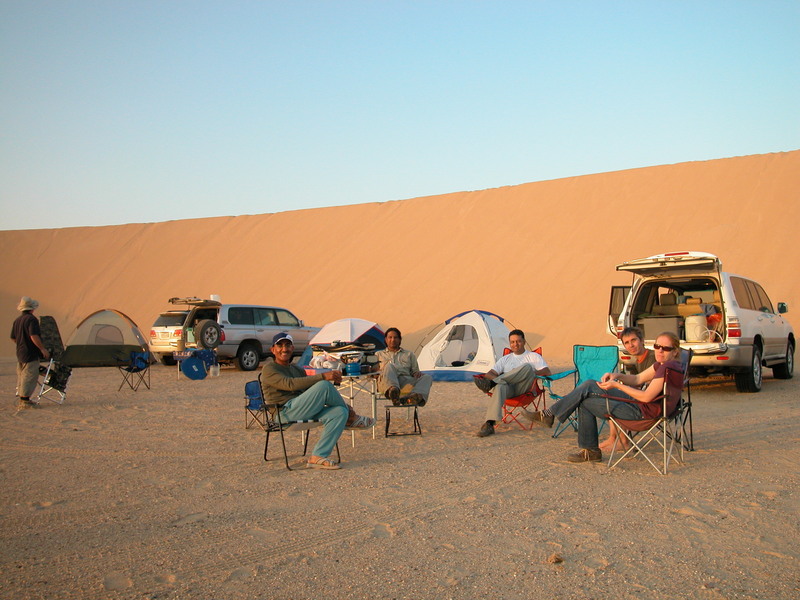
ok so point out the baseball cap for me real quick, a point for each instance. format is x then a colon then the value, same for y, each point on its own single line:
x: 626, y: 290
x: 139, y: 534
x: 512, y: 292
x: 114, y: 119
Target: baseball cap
x: 281, y: 336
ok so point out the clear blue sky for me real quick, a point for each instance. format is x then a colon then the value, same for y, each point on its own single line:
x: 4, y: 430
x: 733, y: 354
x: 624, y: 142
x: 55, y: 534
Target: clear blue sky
x: 139, y: 111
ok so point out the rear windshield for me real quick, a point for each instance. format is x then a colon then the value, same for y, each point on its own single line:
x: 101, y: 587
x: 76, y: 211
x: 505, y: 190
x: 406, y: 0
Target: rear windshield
x: 170, y: 320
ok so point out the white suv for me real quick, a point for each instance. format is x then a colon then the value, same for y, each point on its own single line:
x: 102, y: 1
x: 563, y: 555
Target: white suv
x: 166, y: 335
x: 727, y: 320
x: 241, y: 333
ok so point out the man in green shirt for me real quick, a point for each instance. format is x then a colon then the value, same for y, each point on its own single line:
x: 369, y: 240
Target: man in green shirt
x: 303, y: 397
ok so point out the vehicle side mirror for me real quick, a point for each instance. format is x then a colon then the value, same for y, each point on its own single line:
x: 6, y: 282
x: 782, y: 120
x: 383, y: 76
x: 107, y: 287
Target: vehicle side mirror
x: 300, y: 323
x: 783, y: 307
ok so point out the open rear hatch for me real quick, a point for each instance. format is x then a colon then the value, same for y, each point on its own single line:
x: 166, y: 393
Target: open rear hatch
x: 672, y: 263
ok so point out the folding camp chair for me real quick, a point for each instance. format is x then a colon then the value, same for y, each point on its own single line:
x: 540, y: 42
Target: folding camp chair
x: 254, y: 410
x: 513, y: 407
x: 415, y: 420
x: 56, y: 375
x: 591, y: 362
x: 54, y: 382
x: 274, y: 423
x: 137, y: 371
x: 667, y: 431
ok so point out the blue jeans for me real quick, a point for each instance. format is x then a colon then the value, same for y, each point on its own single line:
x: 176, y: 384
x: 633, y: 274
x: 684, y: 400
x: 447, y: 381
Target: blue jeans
x: 588, y: 401
x: 321, y: 402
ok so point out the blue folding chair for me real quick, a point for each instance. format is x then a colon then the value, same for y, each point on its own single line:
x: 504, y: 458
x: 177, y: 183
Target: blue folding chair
x: 254, y: 410
x: 591, y: 362
x: 136, y: 372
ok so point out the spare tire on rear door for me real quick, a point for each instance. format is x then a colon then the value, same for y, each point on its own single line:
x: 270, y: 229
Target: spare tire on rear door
x: 207, y: 334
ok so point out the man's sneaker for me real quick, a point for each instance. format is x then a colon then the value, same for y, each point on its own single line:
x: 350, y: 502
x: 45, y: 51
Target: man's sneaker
x: 538, y: 417
x: 486, y: 429
x: 584, y: 455
x: 28, y: 403
x: 484, y: 384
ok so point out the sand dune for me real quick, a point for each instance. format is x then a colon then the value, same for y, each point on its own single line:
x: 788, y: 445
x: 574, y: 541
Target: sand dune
x: 162, y: 493
x: 541, y: 254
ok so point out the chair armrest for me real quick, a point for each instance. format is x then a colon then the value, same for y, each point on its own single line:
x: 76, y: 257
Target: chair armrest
x: 557, y: 376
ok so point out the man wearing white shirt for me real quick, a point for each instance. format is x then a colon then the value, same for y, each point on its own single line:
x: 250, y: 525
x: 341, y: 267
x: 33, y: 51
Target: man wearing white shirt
x: 511, y: 376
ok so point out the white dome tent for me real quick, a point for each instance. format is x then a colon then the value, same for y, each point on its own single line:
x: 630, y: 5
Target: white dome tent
x: 469, y: 343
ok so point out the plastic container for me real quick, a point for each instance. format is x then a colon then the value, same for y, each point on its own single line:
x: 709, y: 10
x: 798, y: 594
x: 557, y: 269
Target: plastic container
x: 696, y: 329
x: 352, y: 368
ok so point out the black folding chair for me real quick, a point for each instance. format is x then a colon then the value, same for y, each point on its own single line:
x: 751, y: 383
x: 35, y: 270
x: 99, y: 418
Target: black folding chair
x: 275, y: 424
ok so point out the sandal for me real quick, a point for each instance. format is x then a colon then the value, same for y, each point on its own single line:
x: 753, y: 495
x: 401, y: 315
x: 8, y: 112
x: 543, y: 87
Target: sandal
x: 322, y: 463
x: 362, y: 422
x: 392, y: 393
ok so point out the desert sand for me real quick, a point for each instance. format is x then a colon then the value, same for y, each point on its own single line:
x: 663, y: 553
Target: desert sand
x: 162, y: 493
x: 540, y: 254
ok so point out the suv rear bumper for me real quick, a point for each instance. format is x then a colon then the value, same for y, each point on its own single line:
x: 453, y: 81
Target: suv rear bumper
x: 724, y: 357
x: 164, y: 348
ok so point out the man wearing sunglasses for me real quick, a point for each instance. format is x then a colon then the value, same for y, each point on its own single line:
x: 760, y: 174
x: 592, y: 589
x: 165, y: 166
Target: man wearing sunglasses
x: 628, y: 400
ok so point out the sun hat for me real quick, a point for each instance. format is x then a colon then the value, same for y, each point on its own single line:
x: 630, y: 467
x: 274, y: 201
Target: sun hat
x: 27, y: 303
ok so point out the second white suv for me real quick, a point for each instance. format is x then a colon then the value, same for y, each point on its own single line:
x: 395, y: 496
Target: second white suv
x: 728, y: 321
x: 241, y: 333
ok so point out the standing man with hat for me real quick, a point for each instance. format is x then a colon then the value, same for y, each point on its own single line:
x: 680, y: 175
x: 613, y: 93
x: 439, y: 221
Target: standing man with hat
x: 30, y: 349
x: 302, y: 397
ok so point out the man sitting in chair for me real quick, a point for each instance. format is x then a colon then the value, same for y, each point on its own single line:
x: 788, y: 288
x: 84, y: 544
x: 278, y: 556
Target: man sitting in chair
x: 621, y: 395
x: 303, y: 397
x: 633, y: 341
x: 511, y: 376
x: 400, y: 379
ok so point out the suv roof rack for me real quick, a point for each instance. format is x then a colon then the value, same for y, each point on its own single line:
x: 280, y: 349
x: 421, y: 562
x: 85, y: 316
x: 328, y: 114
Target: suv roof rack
x: 194, y: 301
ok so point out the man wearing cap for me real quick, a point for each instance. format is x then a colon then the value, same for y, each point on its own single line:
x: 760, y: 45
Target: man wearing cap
x: 302, y: 397
x: 30, y: 349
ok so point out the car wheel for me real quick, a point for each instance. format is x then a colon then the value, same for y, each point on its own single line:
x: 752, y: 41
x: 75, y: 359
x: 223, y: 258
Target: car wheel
x: 248, y: 357
x: 750, y: 381
x: 785, y: 370
x: 207, y: 334
x: 166, y: 359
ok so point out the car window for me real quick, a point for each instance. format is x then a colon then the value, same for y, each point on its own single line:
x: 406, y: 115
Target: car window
x: 285, y: 318
x: 170, y: 320
x: 201, y: 314
x: 240, y: 315
x: 763, y: 303
x: 742, y: 294
x: 265, y: 316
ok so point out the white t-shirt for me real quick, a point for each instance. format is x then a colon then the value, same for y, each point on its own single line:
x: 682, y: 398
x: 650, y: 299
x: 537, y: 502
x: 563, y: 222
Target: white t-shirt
x: 511, y: 361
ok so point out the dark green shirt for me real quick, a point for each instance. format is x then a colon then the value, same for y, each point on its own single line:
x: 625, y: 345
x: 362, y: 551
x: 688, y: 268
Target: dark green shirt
x: 280, y: 384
